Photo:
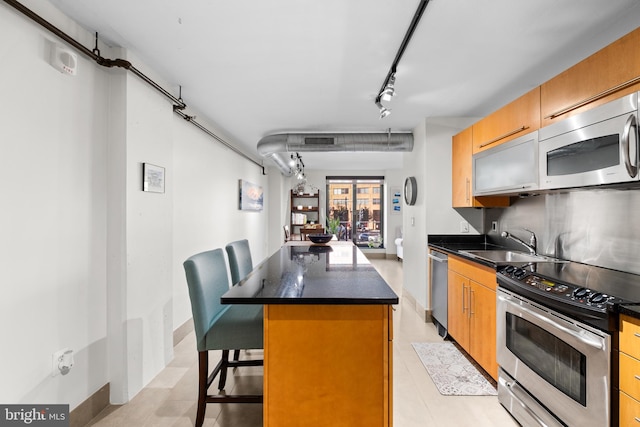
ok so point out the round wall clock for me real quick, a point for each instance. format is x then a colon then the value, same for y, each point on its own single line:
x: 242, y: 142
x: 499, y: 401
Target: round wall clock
x: 410, y: 190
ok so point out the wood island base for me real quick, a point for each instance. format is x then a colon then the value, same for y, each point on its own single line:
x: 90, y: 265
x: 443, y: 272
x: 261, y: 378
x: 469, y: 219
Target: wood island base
x: 328, y: 365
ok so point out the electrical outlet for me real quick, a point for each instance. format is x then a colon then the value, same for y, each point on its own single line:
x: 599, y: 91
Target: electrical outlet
x: 464, y: 227
x: 494, y: 225
x: 61, y: 362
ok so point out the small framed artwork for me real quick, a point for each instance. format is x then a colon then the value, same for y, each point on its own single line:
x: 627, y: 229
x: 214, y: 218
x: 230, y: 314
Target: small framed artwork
x: 396, y: 200
x: 251, y: 196
x: 152, y: 178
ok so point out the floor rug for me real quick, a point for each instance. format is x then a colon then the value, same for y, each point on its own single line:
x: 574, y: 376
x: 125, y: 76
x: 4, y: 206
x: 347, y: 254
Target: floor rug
x: 451, y: 372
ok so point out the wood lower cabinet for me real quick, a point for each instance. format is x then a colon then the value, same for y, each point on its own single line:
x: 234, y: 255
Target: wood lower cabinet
x: 610, y: 73
x: 629, y: 380
x: 515, y: 119
x: 462, y: 175
x: 458, y: 308
x: 472, y: 311
x: 328, y: 365
x: 482, y: 328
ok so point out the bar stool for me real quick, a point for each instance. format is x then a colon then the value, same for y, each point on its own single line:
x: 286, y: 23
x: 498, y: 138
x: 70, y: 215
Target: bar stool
x: 240, y: 263
x: 219, y: 327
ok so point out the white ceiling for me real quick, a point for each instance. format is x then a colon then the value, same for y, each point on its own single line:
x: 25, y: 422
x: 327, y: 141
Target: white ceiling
x: 255, y: 68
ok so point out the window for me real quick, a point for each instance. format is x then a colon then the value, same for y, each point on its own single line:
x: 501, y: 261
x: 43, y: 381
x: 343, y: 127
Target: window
x: 361, y: 217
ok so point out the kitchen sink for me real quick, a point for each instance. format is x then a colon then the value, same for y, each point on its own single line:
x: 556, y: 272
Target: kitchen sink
x: 503, y: 257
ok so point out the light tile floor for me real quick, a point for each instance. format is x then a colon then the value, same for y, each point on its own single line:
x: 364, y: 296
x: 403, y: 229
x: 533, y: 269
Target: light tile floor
x: 170, y: 399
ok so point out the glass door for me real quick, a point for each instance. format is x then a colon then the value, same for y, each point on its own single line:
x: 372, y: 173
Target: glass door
x: 358, y: 204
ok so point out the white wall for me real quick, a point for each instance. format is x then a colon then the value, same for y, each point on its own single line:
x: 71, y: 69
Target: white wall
x: 441, y: 217
x: 91, y: 262
x: 430, y: 163
x: 206, y: 213
x: 414, y: 219
x: 53, y: 223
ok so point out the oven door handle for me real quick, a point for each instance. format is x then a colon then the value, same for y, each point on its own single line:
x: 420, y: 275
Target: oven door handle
x: 508, y: 387
x: 574, y: 333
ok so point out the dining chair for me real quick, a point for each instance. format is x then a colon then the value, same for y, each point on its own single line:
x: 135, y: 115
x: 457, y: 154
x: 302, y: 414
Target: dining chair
x: 287, y: 233
x: 219, y: 327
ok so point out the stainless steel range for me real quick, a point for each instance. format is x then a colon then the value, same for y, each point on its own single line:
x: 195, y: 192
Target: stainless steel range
x: 555, y: 324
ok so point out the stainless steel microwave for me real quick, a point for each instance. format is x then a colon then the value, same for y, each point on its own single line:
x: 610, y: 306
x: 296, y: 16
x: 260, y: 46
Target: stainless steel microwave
x: 597, y: 147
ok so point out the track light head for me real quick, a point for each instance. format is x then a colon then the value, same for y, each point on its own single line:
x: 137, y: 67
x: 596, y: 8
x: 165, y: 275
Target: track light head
x: 389, y: 89
x: 384, y: 111
x: 386, y: 94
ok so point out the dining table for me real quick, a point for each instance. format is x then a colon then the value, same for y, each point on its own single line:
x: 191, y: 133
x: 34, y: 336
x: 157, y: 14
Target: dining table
x: 328, y: 335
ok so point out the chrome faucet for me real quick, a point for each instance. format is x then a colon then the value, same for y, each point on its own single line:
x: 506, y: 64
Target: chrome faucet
x: 533, y: 241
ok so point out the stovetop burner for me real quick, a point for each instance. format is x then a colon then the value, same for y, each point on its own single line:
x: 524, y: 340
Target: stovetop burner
x: 587, y: 293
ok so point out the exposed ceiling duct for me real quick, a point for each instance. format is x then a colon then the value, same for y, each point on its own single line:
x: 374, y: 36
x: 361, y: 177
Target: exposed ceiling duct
x: 279, y: 147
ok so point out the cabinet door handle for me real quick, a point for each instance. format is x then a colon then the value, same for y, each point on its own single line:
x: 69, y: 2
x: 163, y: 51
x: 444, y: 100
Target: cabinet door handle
x: 513, y: 132
x: 637, y: 419
x: 637, y: 335
x: 467, y: 189
x: 471, y: 313
x: 594, y: 98
x: 637, y: 377
x: 464, y: 291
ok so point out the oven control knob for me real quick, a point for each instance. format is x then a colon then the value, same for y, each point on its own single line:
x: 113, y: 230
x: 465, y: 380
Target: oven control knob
x: 597, y: 298
x: 580, y: 293
x: 509, y: 269
x: 519, y: 273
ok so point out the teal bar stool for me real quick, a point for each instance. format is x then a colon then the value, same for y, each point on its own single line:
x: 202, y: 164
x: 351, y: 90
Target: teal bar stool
x: 219, y: 327
x: 240, y: 263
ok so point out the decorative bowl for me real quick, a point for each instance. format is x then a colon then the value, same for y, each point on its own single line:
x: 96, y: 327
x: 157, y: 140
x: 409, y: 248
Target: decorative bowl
x: 320, y: 238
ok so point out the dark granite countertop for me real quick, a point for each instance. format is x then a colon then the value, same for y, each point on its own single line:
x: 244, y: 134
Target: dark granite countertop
x: 310, y: 274
x: 453, y: 244
x: 621, y: 284
x: 632, y: 310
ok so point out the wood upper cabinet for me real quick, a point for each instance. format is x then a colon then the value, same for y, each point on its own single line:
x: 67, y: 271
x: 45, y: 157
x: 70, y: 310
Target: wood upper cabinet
x: 514, y: 119
x: 610, y: 73
x: 472, y: 311
x: 462, y: 175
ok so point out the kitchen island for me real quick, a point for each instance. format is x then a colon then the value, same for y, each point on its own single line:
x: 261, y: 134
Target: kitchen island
x: 327, y: 336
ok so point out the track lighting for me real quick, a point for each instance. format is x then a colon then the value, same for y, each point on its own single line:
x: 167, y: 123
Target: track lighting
x: 388, y: 86
x: 298, y: 165
x: 389, y: 90
x: 384, y: 111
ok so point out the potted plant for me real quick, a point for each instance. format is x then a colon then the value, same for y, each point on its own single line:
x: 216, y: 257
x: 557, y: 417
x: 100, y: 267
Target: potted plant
x: 333, y: 225
x: 375, y: 241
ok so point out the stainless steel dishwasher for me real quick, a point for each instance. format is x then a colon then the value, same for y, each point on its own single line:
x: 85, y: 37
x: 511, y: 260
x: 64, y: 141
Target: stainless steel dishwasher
x: 438, y: 272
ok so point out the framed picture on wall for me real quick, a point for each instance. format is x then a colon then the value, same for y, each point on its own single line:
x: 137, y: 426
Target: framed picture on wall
x: 152, y: 178
x: 251, y: 196
x: 396, y: 201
